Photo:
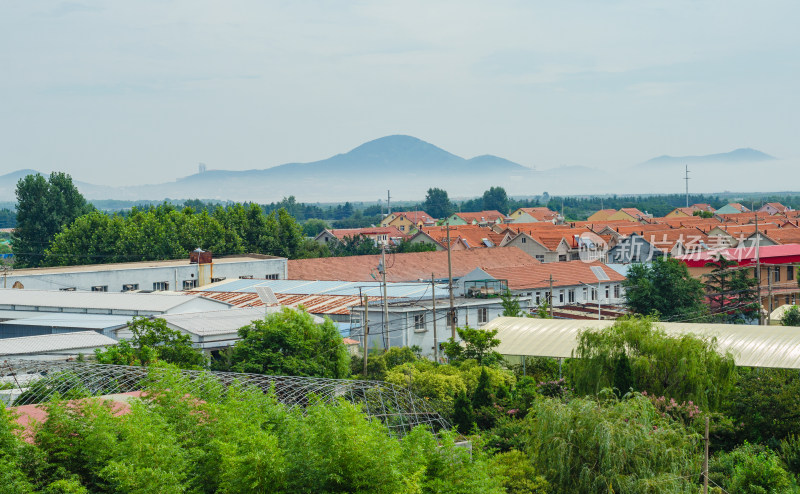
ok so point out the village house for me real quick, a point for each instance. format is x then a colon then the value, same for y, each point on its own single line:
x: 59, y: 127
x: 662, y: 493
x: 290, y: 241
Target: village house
x: 774, y: 208
x: 732, y: 208
x: 482, y: 218
x: 379, y: 235
x: 408, y: 221
x: 637, y: 248
x: 535, y: 215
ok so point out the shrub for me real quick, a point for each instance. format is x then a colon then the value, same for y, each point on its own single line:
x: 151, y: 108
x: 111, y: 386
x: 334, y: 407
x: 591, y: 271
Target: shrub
x: 519, y: 476
x: 750, y: 469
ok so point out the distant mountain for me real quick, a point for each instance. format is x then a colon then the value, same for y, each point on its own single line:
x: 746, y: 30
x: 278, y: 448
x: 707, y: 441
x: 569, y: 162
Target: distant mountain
x: 741, y: 155
x: 406, y: 165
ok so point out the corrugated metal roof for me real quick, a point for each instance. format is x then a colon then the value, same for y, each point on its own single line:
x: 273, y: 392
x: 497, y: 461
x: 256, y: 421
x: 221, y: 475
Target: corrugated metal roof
x: 153, y: 302
x: 751, y: 346
x: 76, y: 340
x: 220, y: 322
x: 305, y: 287
x: 67, y: 320
x: 314, y: 304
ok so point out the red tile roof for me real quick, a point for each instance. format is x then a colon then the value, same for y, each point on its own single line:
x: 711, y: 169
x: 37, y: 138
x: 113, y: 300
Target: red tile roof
x: 473, y: 235
x: 540, y: 213
x: 482, y: 216
x: 415, y: 216
x: 391, y: 231
x: 568, y: 273
x: 768, y: 254
x: 314, y: 304
x: 406, y: 267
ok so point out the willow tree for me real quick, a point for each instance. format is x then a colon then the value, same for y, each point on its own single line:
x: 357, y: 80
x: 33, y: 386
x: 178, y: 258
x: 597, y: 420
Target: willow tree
x: 683, y: 367
x: 588, y: 446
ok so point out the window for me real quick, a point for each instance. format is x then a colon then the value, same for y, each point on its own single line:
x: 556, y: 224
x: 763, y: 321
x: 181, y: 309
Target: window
x: 561, y: 296
x: 540, y: 257
x: 789, y: 273
x: 189, y: 284
x: 246, y: 277
x: 100, y: 288
x: 538, y: 297
x: 272, y: 276
x: 787, y: 300
x: 776, y: 273
x: 594, y: 293
x: 483, y: 315
x: 571, y: 296
x: 585, y: 294
x: 608, y: 292
x: 70, y: 289
x: 215, y: 280
x: 161, y: 286
x: 562, y: 258
x: 523, y: 240
x: 130, y: 286
x: 419, y: 322
x: 616, y: 291
x: 402, y: 228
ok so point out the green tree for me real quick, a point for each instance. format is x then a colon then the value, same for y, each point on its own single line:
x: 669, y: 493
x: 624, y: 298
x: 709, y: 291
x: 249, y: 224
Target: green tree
x: 437, y: 203
x: 463, y: 415
x: 476, y: 344
x: 495, y: 199
x: 611, y: 445
x: 750, y: 469
x: 358, y: 245
x: 766, y: 403
x: 666, y: 288
x: 510, y: 305
x: 290, y: 343
x: 732, y: 297
x: 686, y: 367
x: 44, y: 207
x: 405, y: 246
x: 313, y: 227
x: 791, y: 317
x: 151, y: 340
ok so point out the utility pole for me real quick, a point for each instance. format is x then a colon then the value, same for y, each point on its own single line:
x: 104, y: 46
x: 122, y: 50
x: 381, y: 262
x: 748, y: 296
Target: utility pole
x: 385, y: 299
x: 769, y: 294
x: 388, y: 203
x: 551, y: 296
x: 758, y: 274
x: 687, y: 185
x: 6, y: 270
x: 705, y: 461
x: 366, y: 331
x: 435, y: 336
x: 599, y: 316
x: 450, y: 285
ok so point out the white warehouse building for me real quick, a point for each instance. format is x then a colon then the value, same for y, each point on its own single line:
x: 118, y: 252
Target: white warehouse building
x: 171, y: 275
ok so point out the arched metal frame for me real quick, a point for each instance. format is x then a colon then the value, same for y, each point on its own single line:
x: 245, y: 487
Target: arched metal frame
x: 34, y: 381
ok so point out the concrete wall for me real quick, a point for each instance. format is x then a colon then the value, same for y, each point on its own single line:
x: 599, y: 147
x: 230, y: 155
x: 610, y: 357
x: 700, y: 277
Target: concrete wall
x: 145, y: 277
x: 582, y: 294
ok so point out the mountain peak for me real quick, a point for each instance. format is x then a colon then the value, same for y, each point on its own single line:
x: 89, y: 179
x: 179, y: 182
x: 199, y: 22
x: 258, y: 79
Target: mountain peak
x: 399, y: 146
x: 740, y: 155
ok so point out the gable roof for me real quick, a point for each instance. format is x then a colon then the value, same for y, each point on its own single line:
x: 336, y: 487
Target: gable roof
x: 633, y: 212
x: 540, y: 213
x: 491, y: 215
x: 473, y: 236
x: 415, y: 216
x: 602, y: 215
x: 569, y: 273
x: 411, y: 266
x: 341, y: 233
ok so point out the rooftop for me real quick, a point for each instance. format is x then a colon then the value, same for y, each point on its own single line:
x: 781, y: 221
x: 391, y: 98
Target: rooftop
x: 406, y: 267
x: 54, y: 300
x: 137, y: 265
x: 77, y: 340
x: 570, y: 273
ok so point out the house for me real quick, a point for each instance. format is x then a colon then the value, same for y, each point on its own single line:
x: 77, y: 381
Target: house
x: 732, y: 208
x: 565, y: 283
x: 773, y: 236
x: 412, y: 266
x: 482, y: 218
x: 535, y: 215
x: 379, y: 235
x: 681, y: 213
x: 644, y: 247
x: 778, y: 265
x: 462, y: 237
x: 602, y: 215
x: 408, y: 221
x: 774, y: 208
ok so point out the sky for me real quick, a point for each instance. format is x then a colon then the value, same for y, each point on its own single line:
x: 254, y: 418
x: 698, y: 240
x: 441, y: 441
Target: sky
x: 123, y: 93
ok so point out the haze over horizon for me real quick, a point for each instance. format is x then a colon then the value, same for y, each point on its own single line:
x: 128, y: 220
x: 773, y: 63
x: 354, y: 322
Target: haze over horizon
x: 140, y: 93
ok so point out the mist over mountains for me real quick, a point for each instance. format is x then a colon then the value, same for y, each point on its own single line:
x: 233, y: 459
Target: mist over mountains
x: 409, y: 166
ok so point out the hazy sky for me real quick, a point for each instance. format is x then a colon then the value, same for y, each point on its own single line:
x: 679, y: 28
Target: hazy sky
x: 141, y: 91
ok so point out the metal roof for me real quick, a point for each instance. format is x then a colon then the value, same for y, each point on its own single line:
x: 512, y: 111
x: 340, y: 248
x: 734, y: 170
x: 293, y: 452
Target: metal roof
x: 151, y: 302
x: 76, y: 340
x: 314, y: 304
x: 69, y: 320
x: 220, y: 322
x: 303, y: 287
x: 751, y: 346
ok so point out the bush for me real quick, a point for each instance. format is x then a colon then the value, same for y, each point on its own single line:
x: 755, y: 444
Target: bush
x: 519, y: 476
x: 765, y: 403
x: 750, y: 469
x: 589, y: 446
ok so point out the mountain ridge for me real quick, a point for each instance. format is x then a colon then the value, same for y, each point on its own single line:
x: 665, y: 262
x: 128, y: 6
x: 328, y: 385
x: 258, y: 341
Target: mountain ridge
x: 739, y: 155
